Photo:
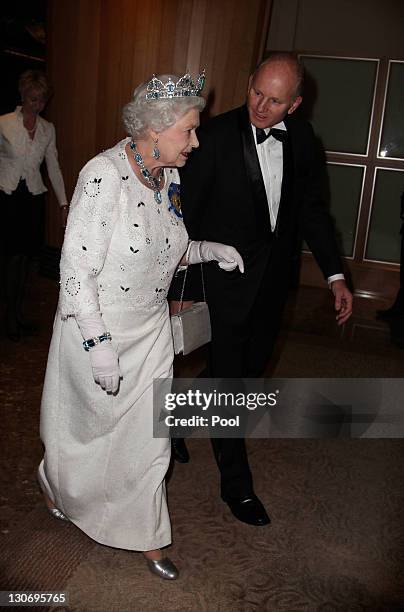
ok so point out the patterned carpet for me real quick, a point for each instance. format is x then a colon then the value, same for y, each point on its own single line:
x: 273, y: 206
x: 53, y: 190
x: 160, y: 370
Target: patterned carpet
x: 336, y: 540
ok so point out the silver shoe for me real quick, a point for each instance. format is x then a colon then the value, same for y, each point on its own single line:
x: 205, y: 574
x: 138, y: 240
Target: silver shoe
x: 163, y: 568
x: 58, y: 514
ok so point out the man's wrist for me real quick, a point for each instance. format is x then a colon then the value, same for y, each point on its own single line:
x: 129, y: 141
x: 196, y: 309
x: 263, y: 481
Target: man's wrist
x: 335, y: 277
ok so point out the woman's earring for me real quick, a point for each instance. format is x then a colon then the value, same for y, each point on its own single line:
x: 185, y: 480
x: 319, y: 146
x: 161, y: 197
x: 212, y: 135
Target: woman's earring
x: 156, y: 150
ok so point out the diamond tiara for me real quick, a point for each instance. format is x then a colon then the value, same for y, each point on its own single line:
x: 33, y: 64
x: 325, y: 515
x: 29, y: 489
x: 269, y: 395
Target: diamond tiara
x: 184, y: 87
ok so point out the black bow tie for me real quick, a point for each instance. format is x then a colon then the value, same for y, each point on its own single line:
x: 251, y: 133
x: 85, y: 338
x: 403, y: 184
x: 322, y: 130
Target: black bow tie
x: 280, y: 135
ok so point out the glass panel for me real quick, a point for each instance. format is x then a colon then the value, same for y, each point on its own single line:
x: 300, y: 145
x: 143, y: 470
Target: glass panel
x: 338, y: 99
x: 384, y: 231
x: 345, y: 188
x: 392, y: 141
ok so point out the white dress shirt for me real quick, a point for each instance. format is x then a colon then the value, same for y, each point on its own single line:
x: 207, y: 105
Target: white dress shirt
x: 270, y: 156
x: 21, y: 156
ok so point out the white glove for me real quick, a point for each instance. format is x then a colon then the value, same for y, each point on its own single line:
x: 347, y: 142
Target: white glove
x: 105, y: 365
x: 103, y: 357
x: 227, y: 256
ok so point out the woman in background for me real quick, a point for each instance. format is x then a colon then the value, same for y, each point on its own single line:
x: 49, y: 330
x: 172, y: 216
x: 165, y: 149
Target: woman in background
x: 26, y: 139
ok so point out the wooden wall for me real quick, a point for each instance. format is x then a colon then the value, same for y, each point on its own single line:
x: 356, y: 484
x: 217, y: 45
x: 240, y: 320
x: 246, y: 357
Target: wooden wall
x: 100, y: 50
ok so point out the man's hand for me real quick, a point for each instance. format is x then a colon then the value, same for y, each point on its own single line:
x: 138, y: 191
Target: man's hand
x: 343, y: 301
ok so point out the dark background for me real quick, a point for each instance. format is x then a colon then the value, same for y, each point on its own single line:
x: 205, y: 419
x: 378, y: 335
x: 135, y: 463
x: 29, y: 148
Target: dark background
x: 23, y: 45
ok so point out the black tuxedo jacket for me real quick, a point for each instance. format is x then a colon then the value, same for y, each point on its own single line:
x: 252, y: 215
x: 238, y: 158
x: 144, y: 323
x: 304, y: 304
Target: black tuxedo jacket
x: 224, y: 200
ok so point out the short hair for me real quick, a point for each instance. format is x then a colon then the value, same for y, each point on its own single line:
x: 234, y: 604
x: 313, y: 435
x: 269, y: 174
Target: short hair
x: 141, y: 114
x: 294, y: 62
x: 34, y: 79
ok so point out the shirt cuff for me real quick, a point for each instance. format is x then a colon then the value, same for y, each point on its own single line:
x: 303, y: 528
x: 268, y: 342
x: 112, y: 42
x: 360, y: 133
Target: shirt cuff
x: 335, y: 277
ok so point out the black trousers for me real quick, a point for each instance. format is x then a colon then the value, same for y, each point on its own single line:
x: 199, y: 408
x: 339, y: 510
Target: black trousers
x: 241, y: 352
x: 23, y: 216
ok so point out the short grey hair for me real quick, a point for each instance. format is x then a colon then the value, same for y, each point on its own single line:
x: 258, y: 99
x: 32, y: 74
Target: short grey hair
x: 141, y: 114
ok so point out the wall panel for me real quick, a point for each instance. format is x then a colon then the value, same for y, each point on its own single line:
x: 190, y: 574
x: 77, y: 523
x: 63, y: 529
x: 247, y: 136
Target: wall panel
x: 353, y: 29
x: 73, y: 50
x: 99, y: 50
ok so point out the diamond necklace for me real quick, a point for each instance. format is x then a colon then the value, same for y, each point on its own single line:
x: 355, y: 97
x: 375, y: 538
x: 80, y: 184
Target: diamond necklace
x: 153, y: 182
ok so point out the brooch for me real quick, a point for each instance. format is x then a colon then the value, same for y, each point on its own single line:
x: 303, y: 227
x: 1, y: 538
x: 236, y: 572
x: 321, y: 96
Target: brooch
x: 175, y: 200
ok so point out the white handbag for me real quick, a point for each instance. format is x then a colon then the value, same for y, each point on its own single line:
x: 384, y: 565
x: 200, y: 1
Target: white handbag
x: 191, y: 327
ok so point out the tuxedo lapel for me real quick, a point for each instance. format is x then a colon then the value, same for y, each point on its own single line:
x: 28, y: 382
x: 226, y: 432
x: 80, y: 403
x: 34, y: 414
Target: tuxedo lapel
x: 254, y: 172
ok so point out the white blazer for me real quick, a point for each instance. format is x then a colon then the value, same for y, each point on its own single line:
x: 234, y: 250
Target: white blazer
x: 21, y: 157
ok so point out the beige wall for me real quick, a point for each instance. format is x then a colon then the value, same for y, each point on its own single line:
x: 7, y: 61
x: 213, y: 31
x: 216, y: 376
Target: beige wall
x: 358, y: 28
x: 99, y: 50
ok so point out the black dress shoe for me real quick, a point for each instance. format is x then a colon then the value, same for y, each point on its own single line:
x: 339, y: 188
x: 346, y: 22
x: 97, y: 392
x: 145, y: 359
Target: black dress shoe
x: 249, y: 510
x: 179, y: 450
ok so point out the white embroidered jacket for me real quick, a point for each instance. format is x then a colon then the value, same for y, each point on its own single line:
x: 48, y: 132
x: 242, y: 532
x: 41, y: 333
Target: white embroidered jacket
x: 121, y: 248
x: 21, y: 157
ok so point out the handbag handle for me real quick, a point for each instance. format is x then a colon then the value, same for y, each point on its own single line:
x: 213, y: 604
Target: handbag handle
x: 183, y: 286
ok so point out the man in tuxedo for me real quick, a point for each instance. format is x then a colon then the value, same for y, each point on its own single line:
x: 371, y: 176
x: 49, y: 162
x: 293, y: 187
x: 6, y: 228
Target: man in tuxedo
x: 255, y: 183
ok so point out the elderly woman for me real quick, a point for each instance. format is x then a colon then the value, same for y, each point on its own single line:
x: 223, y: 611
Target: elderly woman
x: 25, y: 140
x: 102, y: 469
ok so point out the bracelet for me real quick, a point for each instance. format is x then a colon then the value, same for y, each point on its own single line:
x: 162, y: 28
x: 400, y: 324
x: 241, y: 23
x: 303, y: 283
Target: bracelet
x: 91, y: 342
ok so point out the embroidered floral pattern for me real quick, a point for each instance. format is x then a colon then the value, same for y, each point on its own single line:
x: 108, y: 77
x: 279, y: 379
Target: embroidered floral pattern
x: 120, y: 249
x: 92, y: 187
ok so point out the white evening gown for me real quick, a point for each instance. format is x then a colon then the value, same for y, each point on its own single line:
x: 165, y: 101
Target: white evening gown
x: 102, y: 467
